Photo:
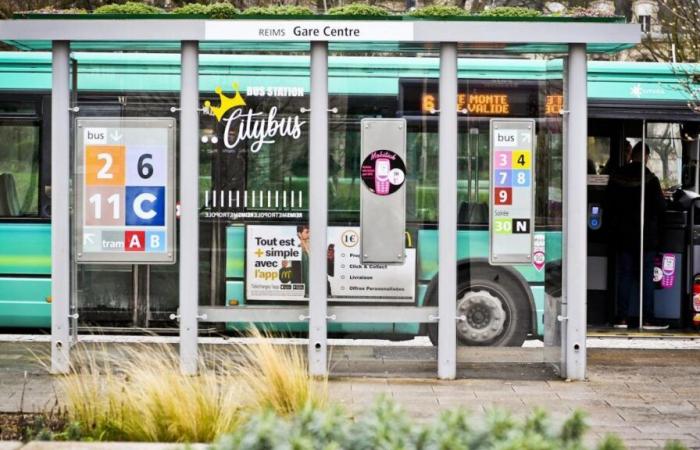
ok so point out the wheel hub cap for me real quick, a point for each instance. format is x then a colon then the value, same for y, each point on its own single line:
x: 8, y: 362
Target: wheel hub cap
x: 485, y: 316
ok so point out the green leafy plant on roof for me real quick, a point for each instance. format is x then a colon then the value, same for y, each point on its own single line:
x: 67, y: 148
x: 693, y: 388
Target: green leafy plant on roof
x: 358, y: 9
x: 222, y: 11
x: 580, y: 11
x: 439, y: 11
x: 192, y: 9
x: 54, y: 10
x: 128, y: 8
x: 510, y: 11
x: 278, y: 10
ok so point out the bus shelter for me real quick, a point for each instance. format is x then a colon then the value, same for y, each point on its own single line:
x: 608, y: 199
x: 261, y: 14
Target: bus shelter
x: 164, y: 152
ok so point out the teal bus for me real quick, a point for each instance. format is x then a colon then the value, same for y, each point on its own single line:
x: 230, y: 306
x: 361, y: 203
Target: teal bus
x: 254, y: 181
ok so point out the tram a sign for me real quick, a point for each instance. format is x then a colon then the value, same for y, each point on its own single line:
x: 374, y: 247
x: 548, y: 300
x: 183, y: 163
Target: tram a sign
x: 125, y: 190
x: 512, y: 191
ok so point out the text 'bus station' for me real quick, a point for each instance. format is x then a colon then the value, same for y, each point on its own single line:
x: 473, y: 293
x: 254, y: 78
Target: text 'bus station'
x: 337, y: 177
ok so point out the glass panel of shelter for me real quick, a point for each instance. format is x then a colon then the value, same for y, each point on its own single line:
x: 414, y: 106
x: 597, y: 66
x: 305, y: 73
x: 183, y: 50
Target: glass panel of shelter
x: 133, y: 85
x: 254, y: 185
x: 254, y: 197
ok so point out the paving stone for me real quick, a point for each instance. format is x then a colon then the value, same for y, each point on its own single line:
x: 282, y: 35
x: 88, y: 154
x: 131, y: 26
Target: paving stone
x: 542, y: 389
x: 659, y: 427
x: 468, y: 387
x: 633, y: 444
x: 690, y: 443
x: 542, y: 396
x: 10, y: 445
x: 495, y: 395
x: 586, y: 404
x: 422, y: 396
x: 644, y: 396
x: 459, y: 402
x: 411, y: 387
x: 656, y: 396
x: 675, y: 407
x: 619, y: 430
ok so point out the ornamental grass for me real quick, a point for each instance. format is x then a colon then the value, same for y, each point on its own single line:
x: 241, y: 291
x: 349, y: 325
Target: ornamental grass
x: 137, y: 393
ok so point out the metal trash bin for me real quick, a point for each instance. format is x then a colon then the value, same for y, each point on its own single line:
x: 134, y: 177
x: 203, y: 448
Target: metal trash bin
x: 669, y: 268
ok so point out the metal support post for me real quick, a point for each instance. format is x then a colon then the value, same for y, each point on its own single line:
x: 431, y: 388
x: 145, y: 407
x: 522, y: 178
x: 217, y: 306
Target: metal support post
x: 575, y: 201
x: 60, y: 208
x: 318, y: 209
x: 189, y: 199
x: 447, y: 283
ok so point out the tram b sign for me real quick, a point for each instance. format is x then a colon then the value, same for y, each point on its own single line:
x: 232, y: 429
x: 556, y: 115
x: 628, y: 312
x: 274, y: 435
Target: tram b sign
x: 512, y: 200
x: 125, y: 196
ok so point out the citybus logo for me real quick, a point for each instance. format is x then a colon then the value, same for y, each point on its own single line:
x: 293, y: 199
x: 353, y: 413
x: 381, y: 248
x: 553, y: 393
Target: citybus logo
x: 247, y: 124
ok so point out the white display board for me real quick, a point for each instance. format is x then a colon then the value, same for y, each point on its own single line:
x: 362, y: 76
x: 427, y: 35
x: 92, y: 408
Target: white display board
x: 277, y: 258
x: 512, y: 192
x: 125, y: 190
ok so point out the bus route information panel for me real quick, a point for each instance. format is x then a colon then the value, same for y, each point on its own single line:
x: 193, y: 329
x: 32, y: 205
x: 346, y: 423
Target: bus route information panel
x: 125, y: 190
x: 512, y: 193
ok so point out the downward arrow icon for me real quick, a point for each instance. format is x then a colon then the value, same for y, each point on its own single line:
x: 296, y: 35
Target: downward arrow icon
x: 88, y: 239
x: 116, y: 135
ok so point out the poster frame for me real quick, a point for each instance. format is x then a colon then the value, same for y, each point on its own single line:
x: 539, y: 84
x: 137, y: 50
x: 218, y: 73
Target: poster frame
x: 124, y: 257
x: 518, y: 124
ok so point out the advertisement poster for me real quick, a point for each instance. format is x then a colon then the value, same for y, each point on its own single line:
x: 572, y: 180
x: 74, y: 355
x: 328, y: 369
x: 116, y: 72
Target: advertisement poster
x: 277, y: 261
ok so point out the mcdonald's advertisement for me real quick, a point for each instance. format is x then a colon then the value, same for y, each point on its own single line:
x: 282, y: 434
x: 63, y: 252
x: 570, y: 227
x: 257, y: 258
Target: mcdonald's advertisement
x: 277, y: 266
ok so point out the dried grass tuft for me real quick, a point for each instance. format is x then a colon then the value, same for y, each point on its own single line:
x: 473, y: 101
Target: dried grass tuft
x: 137, y: 393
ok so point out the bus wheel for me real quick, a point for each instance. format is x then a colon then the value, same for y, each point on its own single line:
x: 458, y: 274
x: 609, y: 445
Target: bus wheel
x: 497, y: 312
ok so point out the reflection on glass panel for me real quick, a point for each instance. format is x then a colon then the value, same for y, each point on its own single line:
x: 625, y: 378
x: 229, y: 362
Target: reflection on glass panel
x: 598, y: 155
x: 19, y: 169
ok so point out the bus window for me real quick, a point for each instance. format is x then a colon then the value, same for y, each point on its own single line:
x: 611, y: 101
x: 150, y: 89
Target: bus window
x: 422, y: 154
x: 19, y: 169
x: 473, y: 173
x: 665, y: 160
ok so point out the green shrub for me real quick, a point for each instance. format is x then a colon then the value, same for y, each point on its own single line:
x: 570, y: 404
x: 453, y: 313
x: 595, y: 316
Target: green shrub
x: 438, y: 11
x: 278, y: 10
x: 128, y: 8
x: 510, y: 11
x: 358, y: 9
x: 611, y: 442
x: 386, y: 426
x: 192, y: 9
x: 53, y: 10
x: 579, y: 11
x: 222, y: 11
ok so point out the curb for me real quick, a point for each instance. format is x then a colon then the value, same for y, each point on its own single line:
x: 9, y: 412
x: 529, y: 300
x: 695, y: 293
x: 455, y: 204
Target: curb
x: 43, y: 445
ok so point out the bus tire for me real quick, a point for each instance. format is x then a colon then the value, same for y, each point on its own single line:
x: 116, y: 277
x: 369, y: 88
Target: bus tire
x: 496, y: 308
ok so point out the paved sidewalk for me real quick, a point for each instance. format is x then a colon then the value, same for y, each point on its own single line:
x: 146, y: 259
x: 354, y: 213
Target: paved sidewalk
x: 645, y: 396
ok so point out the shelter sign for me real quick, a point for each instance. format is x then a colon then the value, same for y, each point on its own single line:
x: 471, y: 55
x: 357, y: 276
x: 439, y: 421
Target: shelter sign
x: 512, y: 193
x: 125, y: 190
x: 382, y: 191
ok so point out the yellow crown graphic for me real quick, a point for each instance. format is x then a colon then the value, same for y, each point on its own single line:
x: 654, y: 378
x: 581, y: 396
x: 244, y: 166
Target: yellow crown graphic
x: 226, y: 102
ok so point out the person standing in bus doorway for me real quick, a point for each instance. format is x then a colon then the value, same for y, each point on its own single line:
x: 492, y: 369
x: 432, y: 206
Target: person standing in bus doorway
x: 303, y: 235
x: 624, y: 210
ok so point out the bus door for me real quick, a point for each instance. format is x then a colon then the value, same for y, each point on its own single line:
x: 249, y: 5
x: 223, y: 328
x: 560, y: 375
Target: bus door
x: 617, y: 298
